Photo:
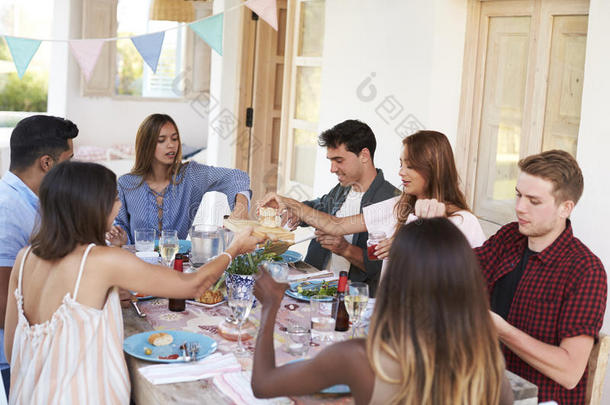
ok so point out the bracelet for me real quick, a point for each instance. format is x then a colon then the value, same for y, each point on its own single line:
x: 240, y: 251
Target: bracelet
x: 229, y: 256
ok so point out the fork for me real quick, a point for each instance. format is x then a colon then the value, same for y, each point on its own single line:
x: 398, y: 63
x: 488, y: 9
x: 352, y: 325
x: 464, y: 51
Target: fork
x: 193, y: 350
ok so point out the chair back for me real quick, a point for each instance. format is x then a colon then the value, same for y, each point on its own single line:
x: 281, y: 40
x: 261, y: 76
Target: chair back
x: 598, y: 362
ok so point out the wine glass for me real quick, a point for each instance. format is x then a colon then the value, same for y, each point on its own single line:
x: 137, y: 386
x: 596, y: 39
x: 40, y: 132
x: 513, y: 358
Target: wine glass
x: 168, y: 246
x: 355, y: 302
x: 240, y: 297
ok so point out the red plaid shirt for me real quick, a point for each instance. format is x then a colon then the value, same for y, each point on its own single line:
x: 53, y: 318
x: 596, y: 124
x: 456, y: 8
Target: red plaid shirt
x: 561, y: 294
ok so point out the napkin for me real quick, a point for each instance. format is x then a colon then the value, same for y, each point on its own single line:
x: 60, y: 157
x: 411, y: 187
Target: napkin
x: 209, y: 366
x: 236, y: 386
x: 315, y: 274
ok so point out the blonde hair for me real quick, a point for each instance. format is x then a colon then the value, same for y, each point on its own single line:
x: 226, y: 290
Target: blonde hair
x: 432, y: 318
x: 146, y: 144
x: 561, y: 169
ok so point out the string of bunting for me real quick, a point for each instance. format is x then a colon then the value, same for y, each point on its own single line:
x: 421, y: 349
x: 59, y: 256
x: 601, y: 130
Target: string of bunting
x: 87, y: 51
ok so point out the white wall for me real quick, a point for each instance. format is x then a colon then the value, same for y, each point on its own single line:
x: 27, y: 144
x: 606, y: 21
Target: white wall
x: 591, y: 220
x: 414, y: 48
x: 103, y: 120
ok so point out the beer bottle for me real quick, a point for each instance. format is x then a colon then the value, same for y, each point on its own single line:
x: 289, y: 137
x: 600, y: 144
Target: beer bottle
x: 177, y: 305
x: 342, y: 322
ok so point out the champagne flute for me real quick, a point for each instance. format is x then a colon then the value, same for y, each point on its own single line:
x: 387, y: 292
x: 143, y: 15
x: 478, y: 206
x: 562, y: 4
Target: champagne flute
x: 355, y: 302
x: 168, y: 246
x: 240, y: 297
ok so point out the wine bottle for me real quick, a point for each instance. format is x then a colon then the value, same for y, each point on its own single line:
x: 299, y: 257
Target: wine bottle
x: 342, y: 321
x: 177, y: 305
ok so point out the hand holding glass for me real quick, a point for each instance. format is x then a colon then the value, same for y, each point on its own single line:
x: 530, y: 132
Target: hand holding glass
x: 168, y: 246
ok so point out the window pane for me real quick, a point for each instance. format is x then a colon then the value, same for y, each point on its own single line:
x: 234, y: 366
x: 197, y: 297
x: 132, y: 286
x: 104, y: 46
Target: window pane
x: 304, y: 156
x: 24, y: 18
x: 564, y: 91
x: 134, y: 76
x: 308, y: 93
x: 503, y: 99
x: 311, y: 30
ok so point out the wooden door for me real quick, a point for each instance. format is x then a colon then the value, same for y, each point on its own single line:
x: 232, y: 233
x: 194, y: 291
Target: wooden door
x: 261, y: 84
x: 521, y: 94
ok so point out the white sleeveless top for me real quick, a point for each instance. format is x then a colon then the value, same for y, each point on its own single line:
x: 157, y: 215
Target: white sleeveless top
x: 76, y: 357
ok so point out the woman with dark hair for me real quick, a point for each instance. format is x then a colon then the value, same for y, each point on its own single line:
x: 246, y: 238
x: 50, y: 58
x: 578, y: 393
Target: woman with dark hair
x: 431, y: 339
x: 162, y: 192
x: 428, y: 174
x: 63, y: 326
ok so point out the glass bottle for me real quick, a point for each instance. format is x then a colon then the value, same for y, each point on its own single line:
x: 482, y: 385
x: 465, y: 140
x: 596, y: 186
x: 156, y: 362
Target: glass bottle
x: 342, y: 321
x: 175, y: 304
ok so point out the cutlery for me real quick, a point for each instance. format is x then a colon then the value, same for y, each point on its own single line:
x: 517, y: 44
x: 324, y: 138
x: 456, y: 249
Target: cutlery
x: 134, y: 304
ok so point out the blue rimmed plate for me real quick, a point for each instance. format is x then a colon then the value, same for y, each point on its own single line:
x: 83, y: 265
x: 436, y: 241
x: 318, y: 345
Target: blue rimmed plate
x: 134, y: 345
x: 307, y: 285
x: 289, y: 256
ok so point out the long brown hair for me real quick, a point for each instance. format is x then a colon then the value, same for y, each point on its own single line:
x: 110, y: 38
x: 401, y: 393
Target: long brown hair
x: 76, y: 199
x: 432, y: 318
x: 146, y: 143
x: 431, y: 156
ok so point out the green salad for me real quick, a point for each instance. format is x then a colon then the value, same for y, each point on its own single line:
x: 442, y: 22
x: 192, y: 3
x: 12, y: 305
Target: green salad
x: 323, y: 289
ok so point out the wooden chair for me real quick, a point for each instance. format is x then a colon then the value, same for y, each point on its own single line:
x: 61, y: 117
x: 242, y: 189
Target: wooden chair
x: 598, y: 362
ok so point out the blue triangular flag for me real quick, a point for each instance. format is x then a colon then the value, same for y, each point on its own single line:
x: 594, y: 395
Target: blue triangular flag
x: 210, y: 30
x: 22, y: 50
x: 149, y: 47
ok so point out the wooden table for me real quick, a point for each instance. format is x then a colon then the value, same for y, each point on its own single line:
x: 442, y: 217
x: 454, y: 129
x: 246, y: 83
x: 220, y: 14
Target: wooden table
x: 205, y: 392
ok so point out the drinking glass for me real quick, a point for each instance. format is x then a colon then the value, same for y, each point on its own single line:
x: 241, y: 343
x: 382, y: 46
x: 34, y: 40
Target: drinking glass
x: 277, y: 270
x: 207, y: 242
x: 145, y: 240
x: 355, y: 302
x: 323, y: 315
x: 168, y: 246
x: 240, y: 297
x: 298, y: 332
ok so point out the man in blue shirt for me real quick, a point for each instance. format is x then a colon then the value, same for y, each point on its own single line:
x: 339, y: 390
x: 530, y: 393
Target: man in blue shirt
x: 37, y: 143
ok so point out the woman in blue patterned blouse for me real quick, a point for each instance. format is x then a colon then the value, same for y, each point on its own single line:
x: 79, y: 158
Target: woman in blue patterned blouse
x: 162, y: 192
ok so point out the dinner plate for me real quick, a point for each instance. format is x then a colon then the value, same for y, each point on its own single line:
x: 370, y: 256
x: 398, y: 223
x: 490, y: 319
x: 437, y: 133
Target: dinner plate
x: 201, y: 304
x: 134, y: 345
x: 184, y: 245
x: 292, y: 291
x: 290, y: 256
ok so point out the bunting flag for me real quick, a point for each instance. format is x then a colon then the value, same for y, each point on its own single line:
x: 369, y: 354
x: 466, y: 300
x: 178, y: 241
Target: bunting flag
x: 22, y: 51
x: 210, y: 30
x: 86, y: 52
x: 149, y: 47
x: 266, y: 9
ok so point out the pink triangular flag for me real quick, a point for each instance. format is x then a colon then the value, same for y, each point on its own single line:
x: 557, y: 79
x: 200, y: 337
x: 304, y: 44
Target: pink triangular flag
x: 266, y: 9
x: 86, y: 52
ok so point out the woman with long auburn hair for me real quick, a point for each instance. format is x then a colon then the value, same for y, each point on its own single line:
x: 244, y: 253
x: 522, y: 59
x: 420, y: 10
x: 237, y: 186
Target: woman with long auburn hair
x: 429, y: 176
x: 64, y: 325
x: 431, y: 338
x: 162, y: 192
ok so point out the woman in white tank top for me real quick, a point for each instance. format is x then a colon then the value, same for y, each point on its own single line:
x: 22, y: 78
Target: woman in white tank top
x: 64, y: 328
